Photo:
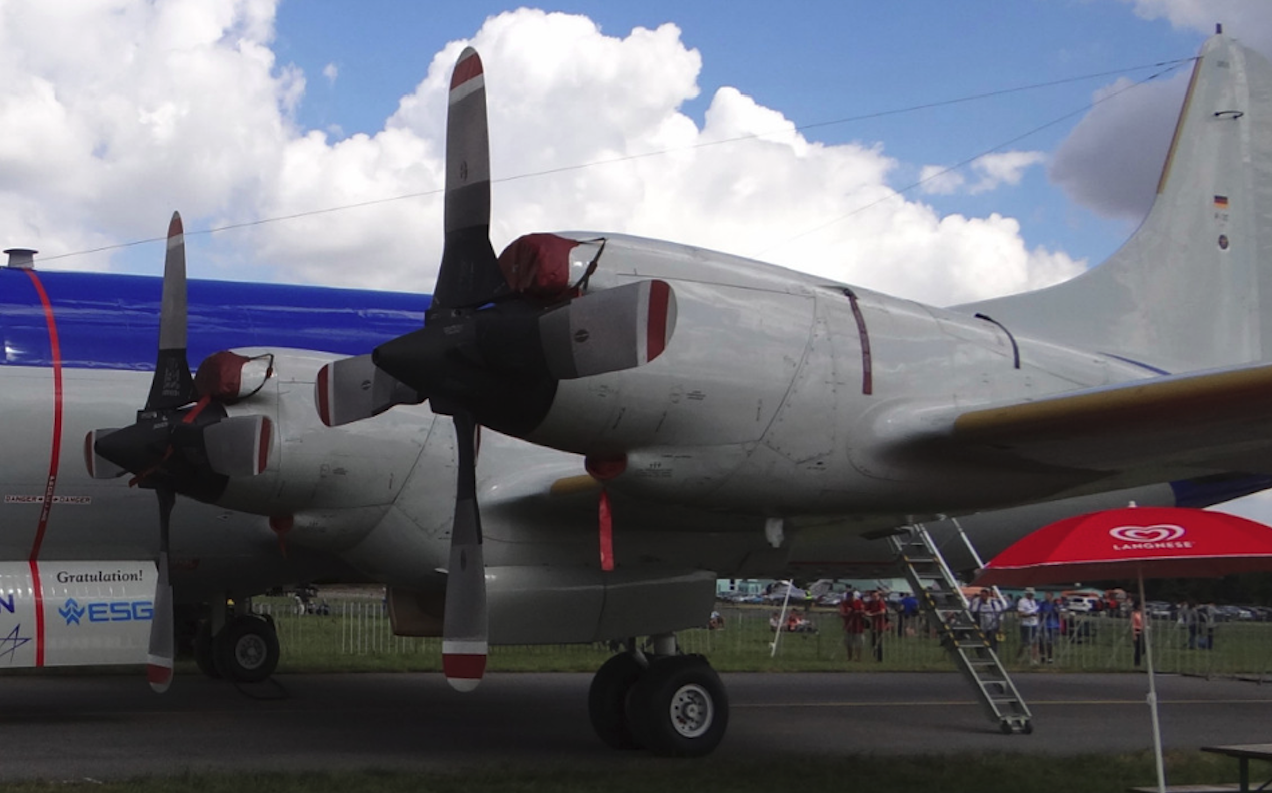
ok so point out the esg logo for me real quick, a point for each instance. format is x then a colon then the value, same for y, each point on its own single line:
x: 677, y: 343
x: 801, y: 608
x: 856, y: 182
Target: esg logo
x: 118, y: 611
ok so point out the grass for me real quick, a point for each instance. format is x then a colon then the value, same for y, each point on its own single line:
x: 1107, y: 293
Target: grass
x: 357, y: 637
x: 980, y: 773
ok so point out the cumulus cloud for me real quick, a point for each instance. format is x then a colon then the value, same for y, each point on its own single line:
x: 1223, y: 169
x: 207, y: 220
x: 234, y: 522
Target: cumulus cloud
x: 331, y: 72
x: 185, y: 105
x: 940, y: 180
x: 1112, y: 159
x: 992, y: 170
x: 1248, y: 20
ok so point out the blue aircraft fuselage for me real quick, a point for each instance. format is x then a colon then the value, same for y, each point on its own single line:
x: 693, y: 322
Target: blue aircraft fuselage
x: 111, y: 321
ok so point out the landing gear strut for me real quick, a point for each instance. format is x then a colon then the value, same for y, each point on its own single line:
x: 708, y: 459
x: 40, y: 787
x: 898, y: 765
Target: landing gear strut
x: 672, y: 705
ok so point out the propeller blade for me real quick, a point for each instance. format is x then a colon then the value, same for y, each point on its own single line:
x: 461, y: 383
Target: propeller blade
x: 238, y: 445
x: 173, y: 386
x: 351, y: 389
x: 609, y: 330
x: 465, y: 623
x: 99, y: 467
x: 160, y: 654
x: 469, y: 274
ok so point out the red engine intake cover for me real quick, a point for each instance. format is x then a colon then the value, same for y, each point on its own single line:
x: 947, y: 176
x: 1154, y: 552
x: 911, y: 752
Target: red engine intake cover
x: 538, y: 265
x: 220, y: 376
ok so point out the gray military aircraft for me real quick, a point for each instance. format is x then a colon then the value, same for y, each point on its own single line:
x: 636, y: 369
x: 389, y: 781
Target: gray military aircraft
x: 723, y: 384
x: 653, y: 417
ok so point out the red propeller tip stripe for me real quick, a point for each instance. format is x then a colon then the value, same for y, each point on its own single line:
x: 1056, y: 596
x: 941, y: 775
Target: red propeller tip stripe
x: 175, y: 229
x: 159, y: 676
x: 468, y: 68
x: 463, y: 670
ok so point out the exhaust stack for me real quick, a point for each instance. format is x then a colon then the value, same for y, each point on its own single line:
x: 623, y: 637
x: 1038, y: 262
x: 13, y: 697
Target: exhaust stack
x: 21, y: 258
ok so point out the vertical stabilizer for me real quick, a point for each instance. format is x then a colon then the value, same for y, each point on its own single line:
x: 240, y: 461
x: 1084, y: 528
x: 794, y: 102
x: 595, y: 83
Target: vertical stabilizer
x: 1189, y: 290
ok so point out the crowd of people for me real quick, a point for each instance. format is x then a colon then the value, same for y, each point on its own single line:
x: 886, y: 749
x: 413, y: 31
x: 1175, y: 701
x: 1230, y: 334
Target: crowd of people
x: 1042, y: 622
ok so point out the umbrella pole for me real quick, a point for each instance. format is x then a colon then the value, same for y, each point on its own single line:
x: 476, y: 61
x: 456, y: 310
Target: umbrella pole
x: 781, y: 619
x: 1152, y: 690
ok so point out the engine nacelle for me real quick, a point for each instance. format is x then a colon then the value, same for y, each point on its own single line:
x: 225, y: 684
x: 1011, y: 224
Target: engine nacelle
x: 778, y: 393
x: 326, y: 487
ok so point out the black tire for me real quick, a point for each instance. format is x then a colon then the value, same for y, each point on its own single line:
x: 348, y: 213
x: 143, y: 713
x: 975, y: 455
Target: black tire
x: 204, y: 655
x: 246, y: 650
x: 606, y: 700
x: 678, y: 707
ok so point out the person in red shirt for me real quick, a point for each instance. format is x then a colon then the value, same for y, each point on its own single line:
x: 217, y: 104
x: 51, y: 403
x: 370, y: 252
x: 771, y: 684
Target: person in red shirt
x: 877, y: 619
x: 853, y: 613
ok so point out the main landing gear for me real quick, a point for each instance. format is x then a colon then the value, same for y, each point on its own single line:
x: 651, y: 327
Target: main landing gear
x: 670, y: 704
x: 243, y: 650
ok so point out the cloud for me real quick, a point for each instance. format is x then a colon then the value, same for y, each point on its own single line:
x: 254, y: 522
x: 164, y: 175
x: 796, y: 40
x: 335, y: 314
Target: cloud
x: 1248, y: 20
x: 185, y: 105
x: 994, y: 170
x: 940, y: 180
x: 116, y: 114
x: 1003, y: 168
x: 331, y: 72
x: 1112, y: 159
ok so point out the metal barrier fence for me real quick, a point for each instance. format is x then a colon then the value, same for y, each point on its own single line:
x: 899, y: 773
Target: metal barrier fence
x: 353, y: 627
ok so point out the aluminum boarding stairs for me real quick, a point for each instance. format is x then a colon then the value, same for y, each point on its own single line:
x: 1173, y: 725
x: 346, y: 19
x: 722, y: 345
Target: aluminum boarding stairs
x: 942, y: 601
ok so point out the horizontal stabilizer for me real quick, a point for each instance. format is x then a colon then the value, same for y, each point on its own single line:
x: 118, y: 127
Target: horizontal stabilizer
x: 239, y: 445
x: 608, y: 331
x: 99, y: 467
x: 351, y: 389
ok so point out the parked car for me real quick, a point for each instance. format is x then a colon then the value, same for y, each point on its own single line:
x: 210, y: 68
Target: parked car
x: 1261, y: 613
x: 1233, y: 614
x: 1081, y: 602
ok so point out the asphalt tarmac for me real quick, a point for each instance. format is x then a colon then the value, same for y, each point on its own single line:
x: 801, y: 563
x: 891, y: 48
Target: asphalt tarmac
x: 108, y: 727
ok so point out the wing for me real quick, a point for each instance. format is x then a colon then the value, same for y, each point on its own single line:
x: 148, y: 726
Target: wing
x: 1220, y: 419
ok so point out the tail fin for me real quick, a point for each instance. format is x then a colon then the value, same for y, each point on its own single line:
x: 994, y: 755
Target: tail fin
x: 1192, y: 289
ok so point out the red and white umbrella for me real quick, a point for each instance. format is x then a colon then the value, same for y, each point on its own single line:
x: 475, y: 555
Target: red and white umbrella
x: 1136, y: 542
x: 1157, y: 542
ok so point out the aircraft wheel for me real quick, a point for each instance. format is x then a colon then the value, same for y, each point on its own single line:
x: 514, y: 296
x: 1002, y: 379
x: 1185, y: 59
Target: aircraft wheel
x: 204, y: 655
x: 246, y: 650
x: 678, y: 707
x: 607, y: 697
